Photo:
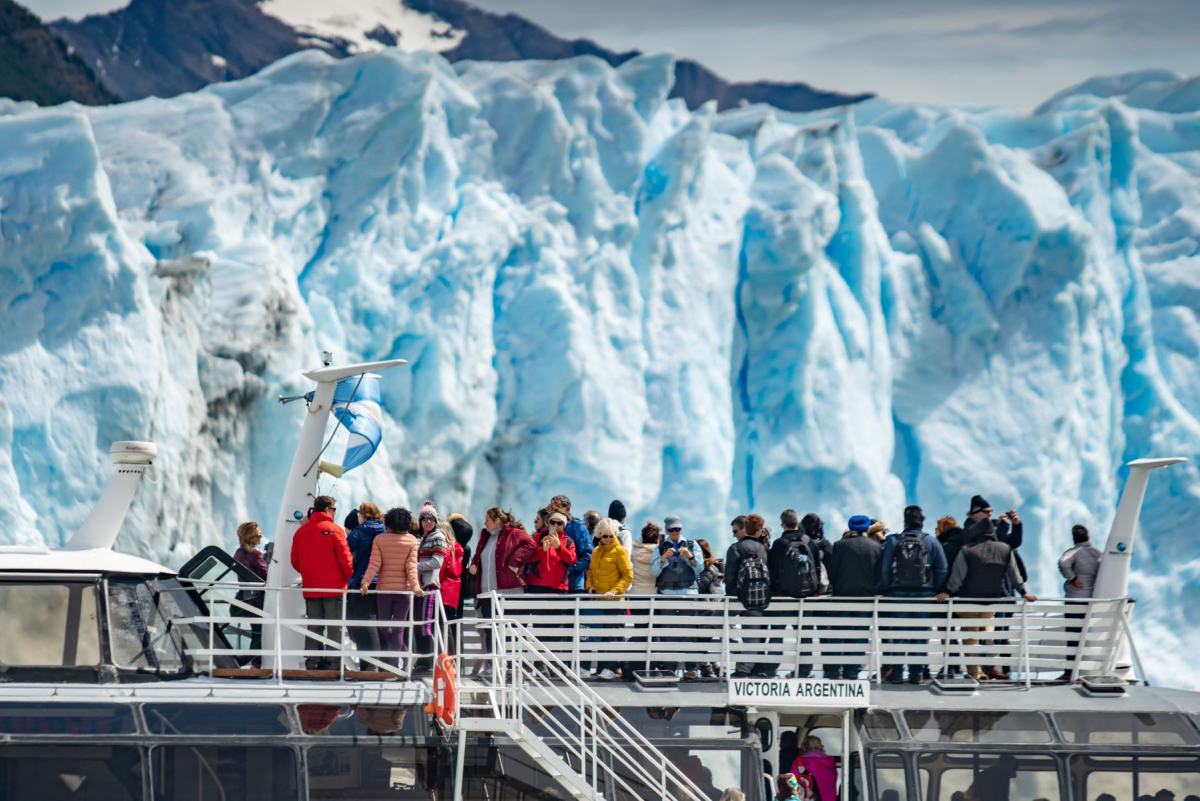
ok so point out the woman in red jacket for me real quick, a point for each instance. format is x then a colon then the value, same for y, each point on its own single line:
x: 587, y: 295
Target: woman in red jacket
x: 547, y: 571
x: 450, y: 580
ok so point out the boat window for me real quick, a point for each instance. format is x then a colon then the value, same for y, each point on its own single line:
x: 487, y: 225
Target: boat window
x: 48, y: 624
x: 71, y: 719
x: 71, y: 772
x: 224, y: 773
x: 1130, y: 778
x: 361, y: 721
x: 947, y: 726
x: 878, y: 724
x: 204, y: 718
x: 988, y: 776
x: 711, y: 769
x: 826, y: 728
x: 673, y: 721
x: 139, y: 636
x: 1125, y: 728
x: 358, y: 772
x: 890, y: 784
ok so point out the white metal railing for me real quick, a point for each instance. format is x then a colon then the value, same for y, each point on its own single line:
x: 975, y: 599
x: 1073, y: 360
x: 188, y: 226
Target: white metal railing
x: 215, y: 627
x: 547, y: 702
x: 640, y: 632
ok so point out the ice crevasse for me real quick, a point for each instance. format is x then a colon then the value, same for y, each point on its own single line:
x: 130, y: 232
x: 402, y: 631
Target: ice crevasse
x: 606, y: 295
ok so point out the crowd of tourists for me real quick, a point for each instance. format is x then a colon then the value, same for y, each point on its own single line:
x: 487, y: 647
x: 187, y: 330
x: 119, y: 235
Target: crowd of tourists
x: 413, y: 560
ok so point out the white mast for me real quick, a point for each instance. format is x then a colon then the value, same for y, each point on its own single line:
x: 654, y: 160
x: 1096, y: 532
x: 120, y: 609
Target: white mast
x: 297, y: 499
x: 1113, y: 579
x: 103, y: 523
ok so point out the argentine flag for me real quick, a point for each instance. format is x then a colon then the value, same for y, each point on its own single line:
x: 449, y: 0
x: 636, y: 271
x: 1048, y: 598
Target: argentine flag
x: 356, y: 406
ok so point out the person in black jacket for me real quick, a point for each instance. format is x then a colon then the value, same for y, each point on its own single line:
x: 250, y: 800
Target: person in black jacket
x: 750, y: 544
x: 853, y: 573
x: 794, y: 562
x: 738, y: 526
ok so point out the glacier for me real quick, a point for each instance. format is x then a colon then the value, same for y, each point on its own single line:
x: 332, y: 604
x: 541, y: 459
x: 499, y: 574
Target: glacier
x: 604, y: 294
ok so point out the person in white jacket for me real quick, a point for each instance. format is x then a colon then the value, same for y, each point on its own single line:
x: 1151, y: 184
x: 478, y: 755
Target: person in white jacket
x: 1079, y: 566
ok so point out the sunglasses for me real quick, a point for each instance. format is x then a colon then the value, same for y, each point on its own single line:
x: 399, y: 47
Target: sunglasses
x: 675, y: 530
x: 555, y: 524
x: 606, y: 536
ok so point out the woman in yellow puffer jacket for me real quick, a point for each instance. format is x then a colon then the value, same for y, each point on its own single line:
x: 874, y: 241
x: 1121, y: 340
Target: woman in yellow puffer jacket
x: 609, y: 574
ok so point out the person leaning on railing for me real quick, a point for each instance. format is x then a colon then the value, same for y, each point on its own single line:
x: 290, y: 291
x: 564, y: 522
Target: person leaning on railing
x: 364, y: 524
x: 504, y: 548
x: 394, y: 561
x: 984, y: 568
x: 322, y: 558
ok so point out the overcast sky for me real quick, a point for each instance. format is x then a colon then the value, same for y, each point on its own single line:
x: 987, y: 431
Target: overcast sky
x: 1007, y: 52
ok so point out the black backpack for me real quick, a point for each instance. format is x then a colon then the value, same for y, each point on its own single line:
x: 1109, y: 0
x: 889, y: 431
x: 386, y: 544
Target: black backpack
x: 910, y: 561
x: 753, y: 581
x: 800, y: 578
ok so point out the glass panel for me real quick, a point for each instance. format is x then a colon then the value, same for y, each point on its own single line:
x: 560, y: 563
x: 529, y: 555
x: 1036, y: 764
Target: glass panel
x: 215, y: 719
x: 933, y: 726
x: 878, y: 724
x: 48, y: 625
x: 66, y: 719
x: 709, y: 722
x: 224, y: 773
x: 1136, y: 778
x: 70, y: 773
x: 987, y: 777
x: 826, y: 728
x: 364, y: 774
x: 139, y: 636
x: 361, y: 721
x: 890, y: 784
x: 1126, y: 728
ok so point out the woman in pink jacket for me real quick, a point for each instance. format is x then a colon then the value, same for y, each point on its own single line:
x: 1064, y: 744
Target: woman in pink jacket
x: 394, y: 561
x: 821, y: 766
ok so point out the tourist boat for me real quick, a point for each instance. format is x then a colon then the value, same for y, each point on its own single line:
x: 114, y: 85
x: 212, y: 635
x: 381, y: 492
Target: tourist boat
x: 122, y: 679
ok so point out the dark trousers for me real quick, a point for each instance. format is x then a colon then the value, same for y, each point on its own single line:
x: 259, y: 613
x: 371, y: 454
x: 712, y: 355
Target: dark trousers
x: 323, y: 609
x: 914, y: 668
x: 425, y: 620
x: 484, y: 607
x: 394, y: 608
x: 803, y: 671
x: 453, y: 633
x: 763, y: 669
x: 254, y: 630
x: 850, y: 669
x: 363, y: 607
x: 1073, y: 644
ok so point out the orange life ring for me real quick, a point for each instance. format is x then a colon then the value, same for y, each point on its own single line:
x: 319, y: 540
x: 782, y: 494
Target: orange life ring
x: 445, y: 703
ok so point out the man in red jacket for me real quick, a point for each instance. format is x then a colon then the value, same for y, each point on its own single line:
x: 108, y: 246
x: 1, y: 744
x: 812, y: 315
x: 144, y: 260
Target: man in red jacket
x: 322, y: 558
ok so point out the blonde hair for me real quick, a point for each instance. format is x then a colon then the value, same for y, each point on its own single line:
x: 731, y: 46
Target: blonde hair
x: 733, y: 794
x: 246, y: 532
x: 608, y: 526
x: 369, y: 511
x: 813, y: 743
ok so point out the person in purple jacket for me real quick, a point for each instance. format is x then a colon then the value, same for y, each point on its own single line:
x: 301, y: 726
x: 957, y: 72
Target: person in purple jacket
x: 250, y: 556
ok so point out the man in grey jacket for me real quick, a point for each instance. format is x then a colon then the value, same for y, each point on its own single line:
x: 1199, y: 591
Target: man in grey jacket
x: 1079, y: 566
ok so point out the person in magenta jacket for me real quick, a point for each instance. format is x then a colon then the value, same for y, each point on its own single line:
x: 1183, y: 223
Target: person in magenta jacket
x: 821, y: 766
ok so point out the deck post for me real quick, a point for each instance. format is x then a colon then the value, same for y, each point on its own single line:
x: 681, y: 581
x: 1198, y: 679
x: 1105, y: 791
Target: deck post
x: 460, y: 760
x: 845, y: 778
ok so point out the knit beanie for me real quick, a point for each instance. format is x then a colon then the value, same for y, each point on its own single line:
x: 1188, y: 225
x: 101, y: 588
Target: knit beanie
x: 978, y: 504
x: 859, y: 523
x: 462, y: 530
x: 428, y: 510
x: 616, y: 510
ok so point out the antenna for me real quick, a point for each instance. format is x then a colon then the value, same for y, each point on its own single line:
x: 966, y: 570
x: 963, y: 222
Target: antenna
x: 297, y: 498
x: 103, y: 523
x: 1113, y: 579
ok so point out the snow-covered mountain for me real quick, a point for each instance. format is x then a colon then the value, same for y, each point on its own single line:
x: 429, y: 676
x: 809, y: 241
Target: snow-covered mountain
x: 162, y: 48
x: 605, y: 294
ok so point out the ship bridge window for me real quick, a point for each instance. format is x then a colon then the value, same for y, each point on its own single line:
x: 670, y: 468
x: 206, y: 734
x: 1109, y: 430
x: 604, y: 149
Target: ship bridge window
x: 987, y: 777
x: 1129, y: 778
x: 216, y: 719
x: 48, y: 624
x: 66, y: 719
x: 953, y: 726
x: 361, y: 721
x: 140, y: 636
x: 880, y: 726
x: 1125, y: 728
x: 890, y: 784
x: 224, y: 773
x: 70, y: 773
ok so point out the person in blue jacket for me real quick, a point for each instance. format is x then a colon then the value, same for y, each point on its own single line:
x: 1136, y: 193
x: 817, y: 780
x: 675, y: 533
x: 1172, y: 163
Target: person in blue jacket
x: 913, y: 565
x: 581, y: 537
x: 368, y: 526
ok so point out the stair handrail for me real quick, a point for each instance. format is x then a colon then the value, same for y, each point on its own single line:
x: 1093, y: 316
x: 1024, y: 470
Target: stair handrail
x: 603, y: 718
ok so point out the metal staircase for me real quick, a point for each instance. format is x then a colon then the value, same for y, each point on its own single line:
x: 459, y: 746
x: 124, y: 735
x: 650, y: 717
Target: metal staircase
x: 548, y: 711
